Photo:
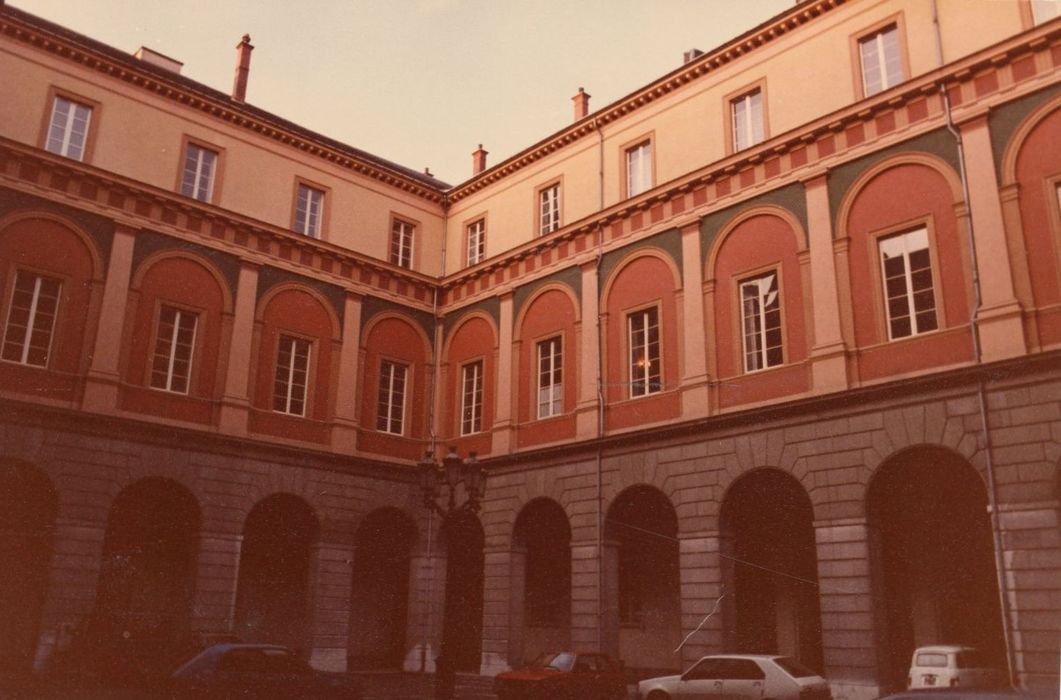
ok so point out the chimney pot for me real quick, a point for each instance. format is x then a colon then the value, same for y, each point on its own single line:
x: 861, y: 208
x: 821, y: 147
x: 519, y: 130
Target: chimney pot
x: 243, y: 68
x: 479, y: 160
x: 581, y: 101
x: 691, y: 55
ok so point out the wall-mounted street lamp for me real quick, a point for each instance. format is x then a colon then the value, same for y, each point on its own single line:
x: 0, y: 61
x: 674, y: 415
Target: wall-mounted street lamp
x: 453, y: 472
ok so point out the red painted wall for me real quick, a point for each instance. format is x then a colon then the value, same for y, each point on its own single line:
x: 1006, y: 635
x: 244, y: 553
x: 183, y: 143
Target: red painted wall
x: 641, y: 282
x: 754, y: 246
x: 48, y: 247
x: 906, y: 193
x: 397, y: 340
x: 185, y: 283
x: 473, y: 339
x: 1039, y: 159
x: 550, y: 314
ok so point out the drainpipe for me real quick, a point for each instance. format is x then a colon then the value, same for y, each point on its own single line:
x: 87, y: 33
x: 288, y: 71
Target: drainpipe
x: 600, y: 394
x: 992, y: 492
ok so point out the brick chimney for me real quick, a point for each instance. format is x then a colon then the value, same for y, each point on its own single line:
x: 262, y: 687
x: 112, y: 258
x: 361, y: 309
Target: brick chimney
x: 479, y: 160
x: 581, y: 101
x: 243, y: 68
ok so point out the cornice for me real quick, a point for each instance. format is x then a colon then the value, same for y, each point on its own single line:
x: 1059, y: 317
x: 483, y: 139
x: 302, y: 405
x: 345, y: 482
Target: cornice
x: 709, y: 63
x: 186, y: 92
x: 137, y: 205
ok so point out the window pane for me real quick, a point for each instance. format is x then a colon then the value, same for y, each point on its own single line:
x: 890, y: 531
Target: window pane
x: 31, y: 319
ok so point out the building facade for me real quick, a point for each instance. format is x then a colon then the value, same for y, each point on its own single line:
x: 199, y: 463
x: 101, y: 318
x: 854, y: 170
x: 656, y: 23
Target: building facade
x: 763, y: 356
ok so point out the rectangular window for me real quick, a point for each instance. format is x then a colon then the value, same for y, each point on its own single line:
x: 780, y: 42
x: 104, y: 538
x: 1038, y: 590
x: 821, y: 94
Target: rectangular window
x: 292, y: 373
x: 309, y: 211
x: 747, y: 112
x: 197, y: 180
x: 476, y: 242
x: 171, y: 366
x: 761, y: 313
x: 643, y: 328
x: 31, y: 319
x: 882, y: 67
x: 639, y: 168
x: 907, y: 271
x: 550, y: 378
x: 390, y: 414
x: 1045, y: 10
x: 402, y: 243
x: 549, y: 209
x: 68, y: 128
x: 472, y: 398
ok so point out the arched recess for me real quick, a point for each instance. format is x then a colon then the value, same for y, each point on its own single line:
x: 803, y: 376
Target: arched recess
x: 932, y: 558
x: 469, y: 353
x: 174, y: 336
x: 27, y: 518
x: 770, y: 568
x: 49, y: 265
x: 641, y: 294
x: 642, y: 587
x: 462, y: 617
x: 1031, y: 205
x: 541, y: 581
x: 394, y: 339
x: 912, y: 201
x: 272, y: 594
x: 148, y: 573
x: 379, y: 601
x: 760, y: 316
x: 547, y: 347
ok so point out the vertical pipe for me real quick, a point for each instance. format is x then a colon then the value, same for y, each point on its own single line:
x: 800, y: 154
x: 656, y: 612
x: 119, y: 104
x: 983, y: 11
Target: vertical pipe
x: 600, y: 395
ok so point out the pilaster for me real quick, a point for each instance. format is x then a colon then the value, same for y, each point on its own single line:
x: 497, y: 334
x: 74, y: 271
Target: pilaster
x: 694, y: 376
x: 827, y: 354
x: 504, y: 429
x: 235, y: 400
x: 701, y: 591
x: 587, y: 409
x: 344, y: 431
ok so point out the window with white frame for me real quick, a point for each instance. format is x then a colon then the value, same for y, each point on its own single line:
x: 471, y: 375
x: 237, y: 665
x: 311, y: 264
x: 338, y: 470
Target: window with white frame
x: 171, y: 366
x: 643, y: 330
x: 390, y: 413
x: 292, y: 374
x: 472, y: 398
x: 761, y: 321
x: 476, y: 242
x: 882, y: 66
x: 550, y: 378
x: 638, y: 168
x: 1045, y: 10
x: 549, y: 209
x: 747, y: 115
x: 906, y: 268
x: 309, y: 211
x: 68, y: 128
x: 31, y: 319
x: 197, y: 179
x: 402, y: 243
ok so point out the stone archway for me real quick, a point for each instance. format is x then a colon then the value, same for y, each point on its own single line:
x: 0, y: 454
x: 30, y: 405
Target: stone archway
x: 272, y: 595
x: 642, y: 588
x: 934, y: 557
x: 770, y: 568
x: 462, y: 624
x: 542, y: 580
x: 27, y: 518
x: 379, y: 601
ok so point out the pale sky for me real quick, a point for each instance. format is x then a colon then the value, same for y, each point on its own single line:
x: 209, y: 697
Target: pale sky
x: 421, y: 82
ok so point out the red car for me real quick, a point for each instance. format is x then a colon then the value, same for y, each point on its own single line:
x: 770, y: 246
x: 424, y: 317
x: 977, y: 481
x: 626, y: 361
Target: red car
x: 564, y: 675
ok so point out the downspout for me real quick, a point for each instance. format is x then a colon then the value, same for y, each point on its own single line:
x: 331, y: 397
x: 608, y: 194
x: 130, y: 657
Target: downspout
x: 600, y: 393
x: 992, y: 495
x: 433, y: 435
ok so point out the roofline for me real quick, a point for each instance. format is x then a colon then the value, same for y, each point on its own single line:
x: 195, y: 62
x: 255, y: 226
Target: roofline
x: 709, y: 62
x: 71, y: 45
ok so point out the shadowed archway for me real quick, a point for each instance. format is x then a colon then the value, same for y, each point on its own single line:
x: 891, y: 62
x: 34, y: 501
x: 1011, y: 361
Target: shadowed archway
x: 462, y: 630
x: 542, y: 579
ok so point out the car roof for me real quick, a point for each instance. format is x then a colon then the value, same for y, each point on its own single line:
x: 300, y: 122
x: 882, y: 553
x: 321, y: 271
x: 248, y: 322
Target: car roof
x: 942, y: 648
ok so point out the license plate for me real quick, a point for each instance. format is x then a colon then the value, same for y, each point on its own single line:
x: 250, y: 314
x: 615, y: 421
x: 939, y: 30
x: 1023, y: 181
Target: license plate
x: 929, y: 680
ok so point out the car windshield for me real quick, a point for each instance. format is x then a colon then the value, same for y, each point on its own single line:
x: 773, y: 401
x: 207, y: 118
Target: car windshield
x: 563, y: 661
x: 932, y: 660
x: 794, y: 668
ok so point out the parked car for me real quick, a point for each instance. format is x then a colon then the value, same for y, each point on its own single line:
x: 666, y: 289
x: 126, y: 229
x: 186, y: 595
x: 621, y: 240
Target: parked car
x: 564, y: 675
x: 251, y: 671
x: 949, y: 666
x: 739, y: 677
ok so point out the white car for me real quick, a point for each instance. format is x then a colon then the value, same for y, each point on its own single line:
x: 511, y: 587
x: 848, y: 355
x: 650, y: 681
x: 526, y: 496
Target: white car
x: 739, y: 677
x: 949, y: 666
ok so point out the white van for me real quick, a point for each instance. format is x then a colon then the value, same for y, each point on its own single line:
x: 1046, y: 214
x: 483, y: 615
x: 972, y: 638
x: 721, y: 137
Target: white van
x: 947, y: 666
